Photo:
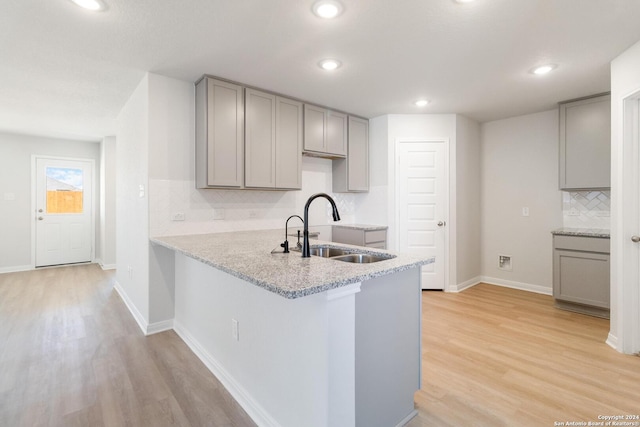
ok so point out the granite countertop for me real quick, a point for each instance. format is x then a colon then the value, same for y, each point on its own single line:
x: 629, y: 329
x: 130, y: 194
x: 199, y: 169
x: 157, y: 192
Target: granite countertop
x: 248, y: 256
x: 364, y: 227
x: 602, y: 233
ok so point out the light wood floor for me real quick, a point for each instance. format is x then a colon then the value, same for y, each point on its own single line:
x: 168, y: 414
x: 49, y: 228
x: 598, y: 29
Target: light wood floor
x: 494, y: 356
x: 72, y: 355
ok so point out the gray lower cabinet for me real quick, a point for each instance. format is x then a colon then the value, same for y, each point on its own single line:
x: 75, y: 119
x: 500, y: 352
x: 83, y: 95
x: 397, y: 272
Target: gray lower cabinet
x: 273, y: 141
x: 219, y: 134
x: 352, y: 174
x: 325, y: 132
x: 375, y: 238
x: 585, y: 143
x: 581, y: 274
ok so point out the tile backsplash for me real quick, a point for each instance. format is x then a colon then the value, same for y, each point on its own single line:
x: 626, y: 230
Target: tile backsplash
x: 586, y: 209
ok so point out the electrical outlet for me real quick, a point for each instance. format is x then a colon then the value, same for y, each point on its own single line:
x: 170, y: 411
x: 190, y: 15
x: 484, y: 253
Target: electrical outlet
x: 234, y: 330
x: 178, y: 216
x: 525, y: 211
x: 253, y: 214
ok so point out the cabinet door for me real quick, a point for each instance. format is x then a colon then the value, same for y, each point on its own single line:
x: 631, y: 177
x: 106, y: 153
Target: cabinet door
x: 314, y: 128
x: 336, y: 133
x: 581, y: 277
x: 260, y: 139
x: 288, y: 144
x: 224, y: 134
x: 358, y: 155
x: 585, y: 144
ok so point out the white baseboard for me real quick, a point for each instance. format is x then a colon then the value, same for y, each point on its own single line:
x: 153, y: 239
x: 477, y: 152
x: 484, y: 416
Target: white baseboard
x: 465, y: 285
x: 156, y: 327
x: 107, y: 266
x: 142, y: 323
x: 16, y: 268
x: 408, y: 418
x: 517, y: 285
x: 244, y: 399
x: 612, y: 341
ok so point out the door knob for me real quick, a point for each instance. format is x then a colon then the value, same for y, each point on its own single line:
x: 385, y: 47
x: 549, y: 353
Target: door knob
x: 441, y: 223
x: 40, y: 218
x: 635, y: 239
x: 40, y: 210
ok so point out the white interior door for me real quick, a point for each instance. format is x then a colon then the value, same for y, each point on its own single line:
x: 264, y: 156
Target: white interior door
x: 422, y: 200
x: 64, y: 211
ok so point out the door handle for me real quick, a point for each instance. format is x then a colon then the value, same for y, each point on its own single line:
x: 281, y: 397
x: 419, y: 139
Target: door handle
x: 443, y: 223
x: 635, y: 239
x: 40, y: 218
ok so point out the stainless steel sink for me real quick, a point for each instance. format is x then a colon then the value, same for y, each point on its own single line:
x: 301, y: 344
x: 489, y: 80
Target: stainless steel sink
x: 326, y: 252
x: 362, y: 258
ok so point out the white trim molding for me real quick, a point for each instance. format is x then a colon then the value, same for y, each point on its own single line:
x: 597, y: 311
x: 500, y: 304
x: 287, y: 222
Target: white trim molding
x: 465, y: 285
x: 139, y: 318
x: 157, y: 327
x: 257, y: 413
x: 16, y: 268
x: 544, y: 290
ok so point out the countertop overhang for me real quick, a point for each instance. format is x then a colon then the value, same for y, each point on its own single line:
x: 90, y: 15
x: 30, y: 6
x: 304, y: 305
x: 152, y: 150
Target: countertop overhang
x: 248, y: 256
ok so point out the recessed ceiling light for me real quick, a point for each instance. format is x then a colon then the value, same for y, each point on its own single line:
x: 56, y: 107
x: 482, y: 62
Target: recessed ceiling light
x: 464, y: 1
x: 94, y: 5
x: 543, y: 69
x: 327, y: 9
x: 422, y: 103
x: 329, y: 64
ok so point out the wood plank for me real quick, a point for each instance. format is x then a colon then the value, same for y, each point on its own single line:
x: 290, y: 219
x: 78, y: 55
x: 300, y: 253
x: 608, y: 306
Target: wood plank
x: 71, y: 354
x: 496, y: 356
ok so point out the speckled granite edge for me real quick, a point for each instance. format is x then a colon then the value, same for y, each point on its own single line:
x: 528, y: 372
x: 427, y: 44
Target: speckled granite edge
x: 364, y: 227
x: 582, y: 232
x: 288, y: 275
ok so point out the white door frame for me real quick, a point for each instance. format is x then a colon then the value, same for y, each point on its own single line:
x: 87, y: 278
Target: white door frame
x: 34, y: 201
x: 447, y: 213
x: 625, y: 278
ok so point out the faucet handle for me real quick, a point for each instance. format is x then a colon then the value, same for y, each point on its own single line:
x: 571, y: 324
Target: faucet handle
x: 285, y: 245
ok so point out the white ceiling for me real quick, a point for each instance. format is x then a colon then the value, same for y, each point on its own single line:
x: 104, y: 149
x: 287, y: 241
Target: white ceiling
x: 67, y: 72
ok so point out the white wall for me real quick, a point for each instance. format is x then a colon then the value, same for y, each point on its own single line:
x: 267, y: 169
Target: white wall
x: 519, y: 168
x: 132, y: 203
x: 625, y: 288
x: 468, y: 203
x: 15, y: 179
x: 106, y: 253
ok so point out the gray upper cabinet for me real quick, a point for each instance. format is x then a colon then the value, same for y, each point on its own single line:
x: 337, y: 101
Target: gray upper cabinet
x: 260, y: 139
x: 289, y: 134
x: 352, y: 174
x: 273, y: 141
x: 585, y: 143
x: 325, y: 132
x: 219, y: 134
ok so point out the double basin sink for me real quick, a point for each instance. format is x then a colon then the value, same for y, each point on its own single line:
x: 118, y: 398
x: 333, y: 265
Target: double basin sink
x: 348, y: 255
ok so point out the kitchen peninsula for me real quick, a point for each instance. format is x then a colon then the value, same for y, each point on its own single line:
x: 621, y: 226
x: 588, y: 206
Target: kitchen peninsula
x: 300, y: 341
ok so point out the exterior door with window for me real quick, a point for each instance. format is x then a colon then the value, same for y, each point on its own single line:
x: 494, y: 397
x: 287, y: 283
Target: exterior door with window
x: 63, y: 214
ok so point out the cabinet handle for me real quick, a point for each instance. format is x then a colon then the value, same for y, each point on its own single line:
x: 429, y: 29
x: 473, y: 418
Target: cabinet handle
x: 441, y: 223
x: 635, y: 239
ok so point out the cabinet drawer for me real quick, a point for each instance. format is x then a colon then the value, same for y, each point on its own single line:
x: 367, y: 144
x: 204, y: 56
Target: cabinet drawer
x: 375, y: 236
x: 578, y: 243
